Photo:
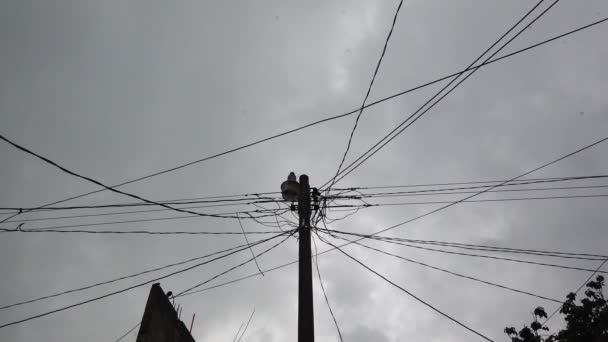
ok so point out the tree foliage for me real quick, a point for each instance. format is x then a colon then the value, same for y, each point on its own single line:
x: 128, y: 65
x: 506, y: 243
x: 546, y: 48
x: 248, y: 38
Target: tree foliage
x: 585, y: 322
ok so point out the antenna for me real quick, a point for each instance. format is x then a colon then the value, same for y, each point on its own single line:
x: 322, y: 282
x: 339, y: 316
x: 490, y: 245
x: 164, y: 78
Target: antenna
x: 192, y: 323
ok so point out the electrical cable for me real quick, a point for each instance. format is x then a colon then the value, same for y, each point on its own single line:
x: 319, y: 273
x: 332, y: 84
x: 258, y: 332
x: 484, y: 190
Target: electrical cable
x: 131, y: 212
x: 137, y: 197
x: 567, y: 255
x: 128, y: 332
x: 250, y: 248
x: 38, y: 229
x: 247, y: 325
x: 400, y: 130
x: 239, y: 265
x: 131, y: 287
x: 336, y: 116
x: 316, y: 259
x: 447, y: 192
x: 140, y: 204
x: 519, y: 182
x: 365, y: 195
x: 124, y: 277
x: 451, y: 272
x: 408, y: 292
x: 490, y: 257
x: 369, y: 89
x: 597, y: 270
x: 425, y: 214
x: 133, y: 232
x: 238, y: 332
x: 369, y: 205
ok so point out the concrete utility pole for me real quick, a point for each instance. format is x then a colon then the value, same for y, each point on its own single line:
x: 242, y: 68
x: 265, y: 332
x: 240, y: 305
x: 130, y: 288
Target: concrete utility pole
x: 293, y: 191
x: 306, y: 325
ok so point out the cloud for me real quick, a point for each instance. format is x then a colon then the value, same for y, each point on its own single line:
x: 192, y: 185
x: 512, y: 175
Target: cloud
x: 116, y: 90
x: 362, y: 333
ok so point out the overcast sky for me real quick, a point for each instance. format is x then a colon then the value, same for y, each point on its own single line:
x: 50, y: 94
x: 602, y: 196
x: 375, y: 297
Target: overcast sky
x: 118, y: 89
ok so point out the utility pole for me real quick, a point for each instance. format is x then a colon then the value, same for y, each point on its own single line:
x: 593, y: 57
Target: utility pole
x: 292, y: 191
x: 306, y: 326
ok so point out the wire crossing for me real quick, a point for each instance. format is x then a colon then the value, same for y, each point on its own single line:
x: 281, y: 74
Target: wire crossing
x: 401, y: 128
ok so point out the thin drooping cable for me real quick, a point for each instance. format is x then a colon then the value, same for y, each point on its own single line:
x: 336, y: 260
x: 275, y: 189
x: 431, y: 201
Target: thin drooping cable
x: 334, y: 179
x: 331, y: 312
x: 497, y: 185
x: 132, y: 232
x: 128, y: 332
x: 137, y: 197
x: 556, y: 254
x: 118, y: 279
x: 289, y: 234
x: 142, y: 204
x: 340, y: 115
x: 408, y: 292
x: 438, y: 192
x: 519, y: 182
x: 243, y: 278
x: 369, y: 89
x: 238, y: 332
x: 488, y: 256
x: 267, y: 270
x: 126, y: 221
x: 371, y: 205
x: 250, y: 248
x: 114, y: 213
x: 61, y: 228
x: 134, y: 286
x: 430, y: 212
x: 597, y: 270
x: 401, y: 128
x: 451, y: 272
x: 247, y: 325
x: 122, y: 277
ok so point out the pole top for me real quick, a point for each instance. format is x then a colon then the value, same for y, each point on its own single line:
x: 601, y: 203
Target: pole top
x: 290, y: 189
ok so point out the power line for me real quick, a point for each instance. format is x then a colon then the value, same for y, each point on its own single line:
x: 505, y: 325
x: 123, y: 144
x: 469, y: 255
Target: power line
x: 238, y: 332
x: 243, y: 278
x: 489, y: 256
x: 128, y: 332
x: 124, y: 277
x: 519, y: 182
x: 437, y: 192
x: 289, y: 234
x: 597, y: 270
x: 323, y: 289
x: 494, y: 186
x: 140, y: 204
x: 453, y: 273
x: 408, y: 292
x: 140, y: 211
x: 467, y: 201
x: 120, y: 222
x: 132, y: 287
x: 580, y: 256
x: 369, y: 89
x: 251, y: 249
x: 425, y: 214
x: 335, y: 116
x: 247, y: 325
x: 427, y: 192
x: 400, y: 130
x: 133, y: 232
x: 48, y: 161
